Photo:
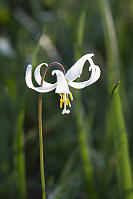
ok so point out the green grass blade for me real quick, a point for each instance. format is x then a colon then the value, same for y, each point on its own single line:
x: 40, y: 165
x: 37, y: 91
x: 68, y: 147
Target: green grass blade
x: 4, y: 148
x: 68, y: 188
x: 111, y: 43
x: 123, y: 166
x: 68, y: 166
x: 80, y: 35
x: 19, y: 156
x: 69, y: 180
x: 113, y: 70
x: 80, y: 122
x: 84, y: 148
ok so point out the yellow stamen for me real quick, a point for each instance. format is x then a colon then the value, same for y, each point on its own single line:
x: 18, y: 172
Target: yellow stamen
x: 63, y: 97
x: 68, y: 102
x: 65, y: 100
x: 61, y: 102
x: 71, y: 97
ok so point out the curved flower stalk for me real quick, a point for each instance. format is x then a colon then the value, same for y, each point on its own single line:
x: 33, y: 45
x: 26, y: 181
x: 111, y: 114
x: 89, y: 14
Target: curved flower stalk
x: 64, y: 80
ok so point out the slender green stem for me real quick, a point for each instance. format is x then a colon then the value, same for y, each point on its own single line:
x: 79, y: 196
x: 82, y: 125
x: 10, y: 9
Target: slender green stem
x: 40, y: 127
x: 41, y: 146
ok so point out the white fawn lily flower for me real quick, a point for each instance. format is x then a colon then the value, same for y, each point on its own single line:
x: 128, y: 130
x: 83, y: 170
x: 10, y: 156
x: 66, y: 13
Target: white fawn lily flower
x: 64, y: 80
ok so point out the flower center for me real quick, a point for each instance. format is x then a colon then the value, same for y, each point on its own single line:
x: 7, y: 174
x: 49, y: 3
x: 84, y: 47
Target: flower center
x: 65, y: 98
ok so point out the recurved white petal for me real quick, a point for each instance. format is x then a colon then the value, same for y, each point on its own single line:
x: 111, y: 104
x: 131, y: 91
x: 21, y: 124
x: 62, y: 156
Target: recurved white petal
x: 62, y: 86
x: 95, y: 74
x: 75, y: 71
x: 38, y: 77
x: 28, y: 79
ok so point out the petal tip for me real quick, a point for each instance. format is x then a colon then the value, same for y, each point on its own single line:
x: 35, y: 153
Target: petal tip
x: 53, y: 72
x: 90, y: 54
x: 29, y: 66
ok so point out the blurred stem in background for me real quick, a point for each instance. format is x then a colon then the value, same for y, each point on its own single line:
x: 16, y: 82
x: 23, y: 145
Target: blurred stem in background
x: 123, y: 166
x: 113, y: 70
x: 84, y: 146
x: 116, y: 132
x: 4, y: 147
x: 81, y: 126
x: 19, y: 157
x: 35, y: 55
x: 112, y: 76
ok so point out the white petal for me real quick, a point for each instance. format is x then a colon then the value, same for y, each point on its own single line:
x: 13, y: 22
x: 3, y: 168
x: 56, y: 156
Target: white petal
x: 38, y: 77
x: 28, y: 79
x: 62, y: 86
x: 75, y: 71
x: 95, y: 74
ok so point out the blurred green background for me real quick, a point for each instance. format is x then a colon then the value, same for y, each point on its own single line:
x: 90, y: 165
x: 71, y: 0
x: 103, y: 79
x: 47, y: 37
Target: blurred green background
x: 88, y: 153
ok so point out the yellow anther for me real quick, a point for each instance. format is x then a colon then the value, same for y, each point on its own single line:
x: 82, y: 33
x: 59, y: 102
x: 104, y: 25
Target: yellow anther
x: 63, y: 97
x: 71, y: 97
x: 68, y: 102
x: 61, y: 102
